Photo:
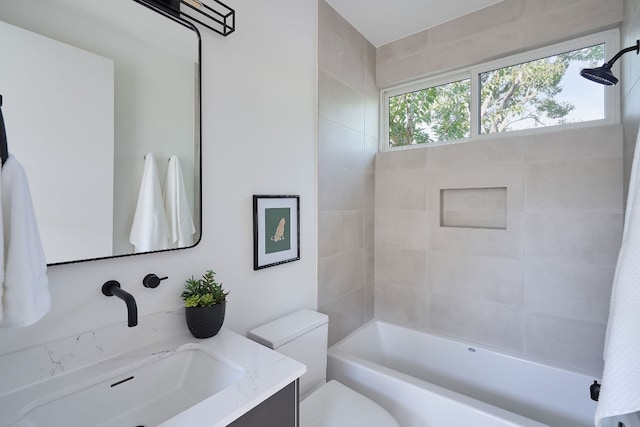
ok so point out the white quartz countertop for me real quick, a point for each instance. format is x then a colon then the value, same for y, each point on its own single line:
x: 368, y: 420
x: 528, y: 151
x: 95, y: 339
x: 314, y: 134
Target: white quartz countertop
x: 263, y: 373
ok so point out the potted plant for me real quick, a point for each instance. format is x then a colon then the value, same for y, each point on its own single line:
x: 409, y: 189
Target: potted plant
x: 205, y: 301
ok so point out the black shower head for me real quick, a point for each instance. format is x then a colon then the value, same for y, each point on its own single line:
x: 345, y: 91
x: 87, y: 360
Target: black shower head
x: 603, y: 74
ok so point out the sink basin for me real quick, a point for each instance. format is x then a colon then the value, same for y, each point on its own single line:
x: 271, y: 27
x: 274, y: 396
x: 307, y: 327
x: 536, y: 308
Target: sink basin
x: 146, y: 394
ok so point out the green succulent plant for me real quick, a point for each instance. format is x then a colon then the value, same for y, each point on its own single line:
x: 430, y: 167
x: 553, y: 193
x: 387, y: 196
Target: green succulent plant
x: 203, y: 292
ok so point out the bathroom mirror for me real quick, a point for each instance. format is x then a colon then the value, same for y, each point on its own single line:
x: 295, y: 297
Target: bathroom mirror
x: 90, y: 88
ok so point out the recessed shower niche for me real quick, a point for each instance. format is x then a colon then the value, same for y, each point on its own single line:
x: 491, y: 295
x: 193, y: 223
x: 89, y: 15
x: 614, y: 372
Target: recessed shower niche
x: 474, y: 207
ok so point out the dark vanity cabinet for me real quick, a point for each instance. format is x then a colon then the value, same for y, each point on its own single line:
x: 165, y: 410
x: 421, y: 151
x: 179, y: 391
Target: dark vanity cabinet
x: 280, y: 410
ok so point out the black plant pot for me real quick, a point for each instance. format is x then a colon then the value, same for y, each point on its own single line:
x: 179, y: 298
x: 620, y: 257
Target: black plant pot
x: 205, y: 322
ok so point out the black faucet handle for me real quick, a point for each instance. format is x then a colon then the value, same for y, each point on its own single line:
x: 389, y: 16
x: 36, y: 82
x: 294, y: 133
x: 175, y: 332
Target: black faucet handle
x: 152, y: 280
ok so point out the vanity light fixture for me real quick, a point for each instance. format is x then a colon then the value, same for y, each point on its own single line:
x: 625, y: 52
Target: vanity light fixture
x: 603, y: 74
x: 212, y: 14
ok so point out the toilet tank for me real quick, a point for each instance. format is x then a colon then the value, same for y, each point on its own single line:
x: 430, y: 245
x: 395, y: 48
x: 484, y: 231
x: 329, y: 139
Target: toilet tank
x: 302, y: 336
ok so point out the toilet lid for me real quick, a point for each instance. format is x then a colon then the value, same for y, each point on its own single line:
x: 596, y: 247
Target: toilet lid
x: 335, y: 405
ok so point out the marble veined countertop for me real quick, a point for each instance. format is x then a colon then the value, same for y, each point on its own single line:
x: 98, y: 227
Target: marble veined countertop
x: 263, y: 372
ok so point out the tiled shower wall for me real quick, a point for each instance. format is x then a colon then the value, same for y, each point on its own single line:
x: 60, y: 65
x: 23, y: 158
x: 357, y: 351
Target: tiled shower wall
x: 541, y: 286
x: 504, y: 28
x: 348, y: 142
x: 630, y: 83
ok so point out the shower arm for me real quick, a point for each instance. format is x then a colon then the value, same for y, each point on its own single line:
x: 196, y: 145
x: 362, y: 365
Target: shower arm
x: 617, y: 56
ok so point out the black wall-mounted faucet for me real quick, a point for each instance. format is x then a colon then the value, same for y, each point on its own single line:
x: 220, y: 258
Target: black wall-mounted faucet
x: 112, y: 288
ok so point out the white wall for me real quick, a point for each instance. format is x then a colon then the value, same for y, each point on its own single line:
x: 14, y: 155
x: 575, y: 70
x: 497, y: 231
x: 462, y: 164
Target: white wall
x: 259, y: 137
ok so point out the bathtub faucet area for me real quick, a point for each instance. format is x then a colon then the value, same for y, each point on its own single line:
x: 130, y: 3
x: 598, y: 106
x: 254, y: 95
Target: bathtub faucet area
x: 112, y: 288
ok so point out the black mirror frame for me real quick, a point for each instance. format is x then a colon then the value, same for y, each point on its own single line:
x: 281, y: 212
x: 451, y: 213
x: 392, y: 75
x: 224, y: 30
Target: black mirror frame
x: 192, y: 27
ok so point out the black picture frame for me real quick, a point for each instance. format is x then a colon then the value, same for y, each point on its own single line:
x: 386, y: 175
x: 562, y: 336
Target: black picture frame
x: 276, y: 230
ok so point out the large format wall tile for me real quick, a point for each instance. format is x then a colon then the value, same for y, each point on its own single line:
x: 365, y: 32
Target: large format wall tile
x: 574, y: 290
x: 347, y: 145
x: 478, y: 241
x: 369, y: 302
x: 593, y: 185
x: 340, y: 275
x: 489, y: 323
x: 340, y: 231
x: 400, y: 160
x: 342, y: 189
x: 369, y: 212
x: 330, y: 21
x: 401, y: 229
x: 346, y: 314
x: 486, y: 153
x: 340, y: 103
x: 342, y: 59
x: 404, y: 267
x: 574, y: 343
x: 401, y: 190
x: 601, y: 142
x: 370, y: 151
x: 483, y: 278
x: 399, y: 304
x: 329, y: 233
x: 588, y: 238
x: 340, y: 146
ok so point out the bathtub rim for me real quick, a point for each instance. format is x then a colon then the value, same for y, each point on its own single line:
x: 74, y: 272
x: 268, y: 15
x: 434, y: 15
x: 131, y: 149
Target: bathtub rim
x: 476, y: 345
x: 475, y: 405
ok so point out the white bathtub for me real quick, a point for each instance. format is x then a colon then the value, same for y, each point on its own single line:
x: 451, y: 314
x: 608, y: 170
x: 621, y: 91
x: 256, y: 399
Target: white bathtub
x: 428, y: 381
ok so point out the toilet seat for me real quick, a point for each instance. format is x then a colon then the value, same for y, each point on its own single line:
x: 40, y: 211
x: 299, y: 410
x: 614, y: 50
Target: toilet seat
x: 335, y: 405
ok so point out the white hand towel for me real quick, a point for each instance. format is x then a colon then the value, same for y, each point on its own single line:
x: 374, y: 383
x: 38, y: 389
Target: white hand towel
x: 176, y: 206
x: 26, y: 297
x: 149, y: 231
x: 620, y: 391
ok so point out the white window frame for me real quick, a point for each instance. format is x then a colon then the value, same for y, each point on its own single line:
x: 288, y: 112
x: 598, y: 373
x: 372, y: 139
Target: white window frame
x: 610, y: 38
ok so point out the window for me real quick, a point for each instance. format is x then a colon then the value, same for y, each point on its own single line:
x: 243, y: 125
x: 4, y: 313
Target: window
x: 437, y: 113
x: 543, y: 92
x: 527, y: 92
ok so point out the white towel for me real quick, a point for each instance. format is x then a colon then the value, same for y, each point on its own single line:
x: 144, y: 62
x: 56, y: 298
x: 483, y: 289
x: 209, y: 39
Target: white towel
x: 176, y: 206
x: 620, y: 391
x: 25, y: 289
x: 149, y: 231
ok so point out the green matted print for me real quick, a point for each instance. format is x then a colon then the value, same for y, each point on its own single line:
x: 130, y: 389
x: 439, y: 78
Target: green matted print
x: 277, y: 226
x: 276, y: 230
